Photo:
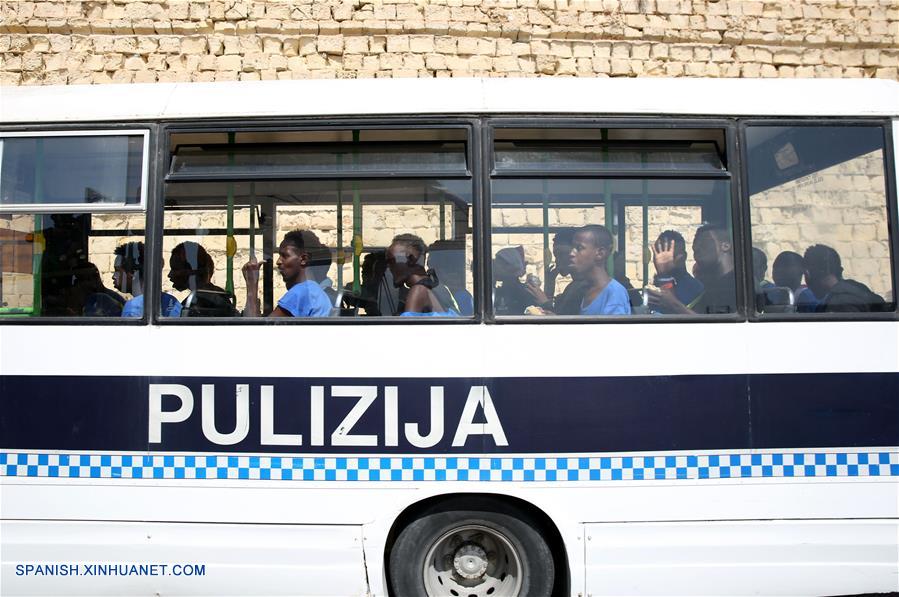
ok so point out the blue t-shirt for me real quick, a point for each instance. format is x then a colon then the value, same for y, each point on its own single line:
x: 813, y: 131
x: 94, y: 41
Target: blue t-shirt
x: 613, y: 300
x: 306, y: 299
x: 429, y: 314
x: 465, y: 302
x: 135, y: 307
x: 806, y: 301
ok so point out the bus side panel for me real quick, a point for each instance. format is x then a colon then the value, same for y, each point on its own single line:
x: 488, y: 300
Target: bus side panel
x: 782, y: 557
x: 132, y: 558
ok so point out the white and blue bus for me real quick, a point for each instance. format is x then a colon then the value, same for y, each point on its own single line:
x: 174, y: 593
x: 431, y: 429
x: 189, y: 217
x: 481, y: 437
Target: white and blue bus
x: 450, y: 337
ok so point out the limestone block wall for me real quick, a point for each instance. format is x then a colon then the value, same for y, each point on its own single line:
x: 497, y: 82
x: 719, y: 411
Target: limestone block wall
x: 122, y: 41
x: 842, y: 206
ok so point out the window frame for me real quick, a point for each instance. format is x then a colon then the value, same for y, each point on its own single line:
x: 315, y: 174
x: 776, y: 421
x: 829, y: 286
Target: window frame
x: 732, y: 173
x: 892, y: 213
x: 312, y: 124
x: 149, y: 197
x: 57, y: 132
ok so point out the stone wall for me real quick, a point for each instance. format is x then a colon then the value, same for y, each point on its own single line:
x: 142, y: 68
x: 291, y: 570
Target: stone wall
x: 68, y: 42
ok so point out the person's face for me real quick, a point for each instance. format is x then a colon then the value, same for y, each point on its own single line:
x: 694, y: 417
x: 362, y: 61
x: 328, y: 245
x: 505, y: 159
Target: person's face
x: 584, y: 254
x: 180, y: 271
x: 815, y: 280
x: 291, y: 262
x: 121, y: 279
x: 400, y: 260
x: 706, y: 249
x: 562, y: 255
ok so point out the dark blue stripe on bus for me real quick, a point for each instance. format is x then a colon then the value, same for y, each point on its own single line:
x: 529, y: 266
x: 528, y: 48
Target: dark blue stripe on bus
x: 538, y: 415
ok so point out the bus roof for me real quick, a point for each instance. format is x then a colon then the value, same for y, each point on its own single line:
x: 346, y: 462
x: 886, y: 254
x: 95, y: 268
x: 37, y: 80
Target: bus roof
x: 371, y: 97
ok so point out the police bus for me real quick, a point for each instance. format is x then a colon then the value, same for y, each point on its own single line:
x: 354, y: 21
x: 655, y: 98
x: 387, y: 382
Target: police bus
x: 537, y: 337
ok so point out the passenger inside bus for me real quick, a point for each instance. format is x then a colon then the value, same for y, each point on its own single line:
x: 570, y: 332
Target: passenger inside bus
x: 191, y: 268
x: 405, y: 260
x: 669, y: 256
x: 299, y: 250
x: 569, y: 301
x: 714, y: 269
x: 510, y: 295
x: 824, y: 275
x: 603, y: 295
x: 377, y: 295
x: 95, y: 298
x: 760, y: 269
x: 128, y: 278
x: 787, y: 270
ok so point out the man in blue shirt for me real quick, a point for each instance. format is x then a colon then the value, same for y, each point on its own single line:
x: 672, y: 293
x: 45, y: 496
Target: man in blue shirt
x: 299, y: 250
x: 590, y: 251
x: 128, y: 277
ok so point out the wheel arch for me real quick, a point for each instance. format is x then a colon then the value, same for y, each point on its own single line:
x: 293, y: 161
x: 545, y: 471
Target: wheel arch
x: 493, y: 502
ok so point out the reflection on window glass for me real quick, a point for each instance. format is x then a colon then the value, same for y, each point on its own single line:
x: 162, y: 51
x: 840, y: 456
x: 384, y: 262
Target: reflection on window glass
x: 319, y: 248
x: 305, y: 158
x: 76, y: 170
x: 819, y: 219
x: 611, y: 247
x: 607, y: 156
x: 71, y: 265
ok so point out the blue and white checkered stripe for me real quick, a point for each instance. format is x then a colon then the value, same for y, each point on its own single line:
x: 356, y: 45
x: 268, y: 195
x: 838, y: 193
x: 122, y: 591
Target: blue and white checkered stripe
x: 505, y: 468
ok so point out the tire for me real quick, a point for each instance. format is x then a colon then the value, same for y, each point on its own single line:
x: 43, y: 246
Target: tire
x: 482, y: 549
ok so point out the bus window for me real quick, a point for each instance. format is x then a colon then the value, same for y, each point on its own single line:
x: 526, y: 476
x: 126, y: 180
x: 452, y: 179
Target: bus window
x: 71, y: 224
x: 629, y: 223
x: 819, y: 223
x: 385, y: 226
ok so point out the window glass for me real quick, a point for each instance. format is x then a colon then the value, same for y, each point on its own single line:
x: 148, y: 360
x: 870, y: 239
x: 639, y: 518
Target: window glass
x: 611, y: 246
x: 607, y: 156
x: 291, y: 158
x: 818, y: 211
x: 72, y: 170
x: 369, y: 248
x: 71, y: 265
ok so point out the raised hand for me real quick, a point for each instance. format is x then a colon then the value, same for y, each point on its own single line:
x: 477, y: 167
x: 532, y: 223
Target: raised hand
x: 663, y: 256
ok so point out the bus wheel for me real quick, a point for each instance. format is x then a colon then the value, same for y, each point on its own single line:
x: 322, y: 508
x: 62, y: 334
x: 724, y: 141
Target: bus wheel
x: 471, y: 553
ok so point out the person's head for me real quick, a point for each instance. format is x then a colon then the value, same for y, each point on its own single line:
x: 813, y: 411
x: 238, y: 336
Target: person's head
x: 788, y: 269
x: 562, y: 242
x: 759, y: 265
x: 680, y: 247
x: 447, y: 258
x: 190, y: 260
x: 294, y: 256
x: 509, y: 264
x: 590, y: 250
x: 87, y: 277
x: 406, y: 257
x: 822, y: 269
x: 320, y: 257
x: 713, y: 249
x: 129, y: 263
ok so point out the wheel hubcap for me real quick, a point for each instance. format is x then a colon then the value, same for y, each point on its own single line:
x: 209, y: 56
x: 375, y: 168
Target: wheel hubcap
x: 470, y: 561
x: 473, y: 561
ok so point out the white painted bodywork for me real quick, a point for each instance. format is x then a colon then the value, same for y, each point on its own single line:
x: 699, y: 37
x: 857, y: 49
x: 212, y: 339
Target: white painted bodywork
x: 742, y: 536
x: 238, y: 559
x: 681, y: 508
x: 246, y: 99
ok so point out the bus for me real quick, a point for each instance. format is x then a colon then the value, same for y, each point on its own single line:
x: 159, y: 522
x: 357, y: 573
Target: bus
x: 450, y: 337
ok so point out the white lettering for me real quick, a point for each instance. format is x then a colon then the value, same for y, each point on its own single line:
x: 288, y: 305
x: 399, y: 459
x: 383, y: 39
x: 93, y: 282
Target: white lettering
x: 317, y: 413
x: 479, y: 396
x: 242, y: 416
x: 159, y: 416
x: 341, y: 435
x: 436, y: 433
x: 267, y: 416
x: 391, y: 417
